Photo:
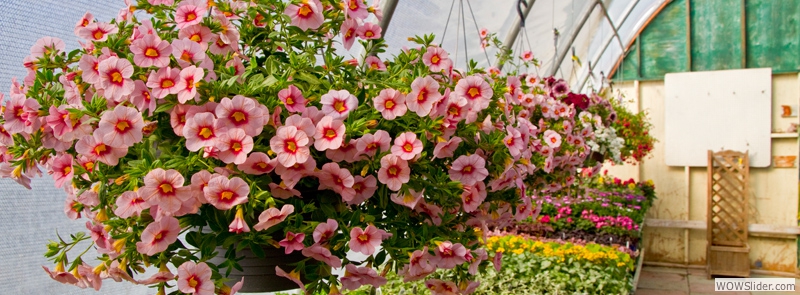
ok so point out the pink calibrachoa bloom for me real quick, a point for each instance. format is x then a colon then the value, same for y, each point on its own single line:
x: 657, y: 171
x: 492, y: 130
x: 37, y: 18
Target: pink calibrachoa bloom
x: 306, y: 15
x: 187, y: 52
x: 293, y: 276
x: 513, y: 141
x: 321, y: 253
x: 242, y: 112
x: 526, y: 56
x: 157, y: 236
x: 439, y: 287
x: 47, y: 46
x: 424, y: 94
x: 201, y: 130
x: 394, y: 172
x: 121, y: 127
x: 355, y: 277
x: 356, y: 9
x: 448, y: 255
x: 436, y: 59
x: 197, y: 33
x: 374, y: 63
x: 195, y: 278
x: 469, y: 169
x: 234, y: 145
x: 189, y: 13
x: 115, y: 77
x: 338, y: 104
x: 371, y: 143
x: 409, y: 199
x: 366, y: 241
x: 21, y: 114
x: 163, y: 275
x: 62, y: 170
x: 349, y: 27
x: 476, y: 90
x: 324, y: 231
x: 141, y: 97
x: 303, y: 124
x: 447, y: 148
x: 329, y: 134
x: 88, y: 64
x: 337, y: 179
x: 238, y: 225
x: 97, y: 32
x: 292, y: 242
x: 164, y: 82
x: 292, y: 174
x: 419, y: 263
x: 369, y: 31
x: 151, y: 51
x: 224, y: 193
x: 188, y: 81
x: 391, y: 103
x: 407, y: 146
x: 456, y: 109
x: 83, y: 22
x: 290, y: 145
x: 273, y: 216
x: 165, y: 189
x: 473, y: 196
x: 552, y: 138
x: 280, y: 191
x: 292, y: 99
x: 177, y: 118
x: 257, y: 163
x: 94, y: 149
x: 364, y: 187
x: 129, y: 204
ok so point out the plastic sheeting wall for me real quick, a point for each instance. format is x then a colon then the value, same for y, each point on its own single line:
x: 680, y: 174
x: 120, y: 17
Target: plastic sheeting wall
x: 29, y: 218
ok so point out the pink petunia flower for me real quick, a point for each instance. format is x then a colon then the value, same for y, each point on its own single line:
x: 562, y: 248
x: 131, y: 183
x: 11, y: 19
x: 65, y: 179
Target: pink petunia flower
x: 374, y: 63
x: 83, y: 22
x: 195, y: 278
x: 552, y: 138
x: 165, y: 189
x: 338, y: 104
x: 513, y: 141
x: 94, y: 149
x: 366, y: 241
x: 242, y: 112
x: 473, y: 196
x: 325, y: 231
x: 355, y: 277
x: 199, y: 34
x: 303, y: 124
x: 446, y: 149
x: 394, y: 172
x: 476, y: 90
x: 364, y: 188
x: 292, y: 174
x: 98, y: 31
x: 239, y: 225
x: 322, y: 254
x: 187, y: 52
x: 469, y: 169
x: 151, y: 51
x: 356, y: 9
x: 129, y: 204
x: 369, y: 31
x: 290, y: 145
x: 201, y: 131
x: 391, y: 103
x: 157, y: 236
x: 188, y: 81
x: 61, y: 168
x: 88, y: 64
x: 164, y: 82
x: 292, y: 242
x: 224, y: 193
x: 455, y: 109
x: 21, y: 114
x: 234, y: 145
x: 121, y: 127
x: 188, y: 14
x: 337, y: 179
x: 257, y: 163
x: 407, y: 146
x: 306, y: 15
x: 177, y: 118
x: 436, y: 58
x: 371, y: 143
x: 273, y: 216
x: 348, y: 29
x: 292, y: 99
x: 329, y: 134
x: 424, y: 94
x: 115, y: 78
x: 409, y: 199
x: 141, y: 97
x: 448, y: 255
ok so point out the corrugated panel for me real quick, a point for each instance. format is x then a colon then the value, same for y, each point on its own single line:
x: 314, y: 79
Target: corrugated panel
x: 663, y: 50
x: 773, y: 34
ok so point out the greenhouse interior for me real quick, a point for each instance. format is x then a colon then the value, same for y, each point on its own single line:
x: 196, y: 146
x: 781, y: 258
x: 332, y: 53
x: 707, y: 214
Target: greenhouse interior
x: 400, y: 146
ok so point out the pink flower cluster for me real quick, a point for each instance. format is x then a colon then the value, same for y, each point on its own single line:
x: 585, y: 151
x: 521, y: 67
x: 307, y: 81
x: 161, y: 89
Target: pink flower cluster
x: 609, y: 221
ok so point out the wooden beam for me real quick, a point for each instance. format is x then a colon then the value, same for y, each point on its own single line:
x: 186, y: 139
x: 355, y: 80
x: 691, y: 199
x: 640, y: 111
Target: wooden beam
x: 699, y: 224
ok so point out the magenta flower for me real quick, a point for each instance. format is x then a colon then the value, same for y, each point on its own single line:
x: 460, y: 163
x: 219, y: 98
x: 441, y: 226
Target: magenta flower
x: 257, y: 163
x: 338, y: 104
x: 469, y: 169
x: 407, y: 146
x: 157, y: 236
x: 164, y: 188
x: 369, y: 31
x: 224, y: 193
x: 151, y: 51
x: 115, y: 77
x: 424, y: 94
x: 348, y: 29
x: 242, y: 112
x: 290, y: 145
x: 331, y: 176
x: 371, y: 143
x: 292, y: 99
x: 61, y: 168
x: 436, y: 59
x: 391, y: 103
x: 329, y: 134
x: 195, y: 278
x: 94, y: 149
x: 121, y: 127
x: 394, y: 172
x: 447, y: 148
x: 234, y: 145
x: 305, y: 15
x: 324, y: 231
x: 201, y: 131
x: 322, y: 254
x: 129, y: 204
x: 273, y: 216
x: 188, y: 81
x: 292, y: 242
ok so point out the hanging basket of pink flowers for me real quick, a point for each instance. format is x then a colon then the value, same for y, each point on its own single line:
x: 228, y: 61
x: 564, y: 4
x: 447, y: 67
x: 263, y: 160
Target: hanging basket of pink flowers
x: 215, y: 127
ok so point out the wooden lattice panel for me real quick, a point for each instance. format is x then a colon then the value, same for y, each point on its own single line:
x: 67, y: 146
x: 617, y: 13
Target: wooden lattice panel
x: 728, y: 179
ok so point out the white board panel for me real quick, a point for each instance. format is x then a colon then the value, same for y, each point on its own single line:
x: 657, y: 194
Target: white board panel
x: 717, y: 110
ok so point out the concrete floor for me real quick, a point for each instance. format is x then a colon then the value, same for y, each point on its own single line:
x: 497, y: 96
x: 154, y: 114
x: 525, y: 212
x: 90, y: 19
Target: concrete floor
x: 680, y: 281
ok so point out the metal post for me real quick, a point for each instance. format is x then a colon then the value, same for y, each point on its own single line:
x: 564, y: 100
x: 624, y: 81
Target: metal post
x: 600, y: 53
x: 388, y: 10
